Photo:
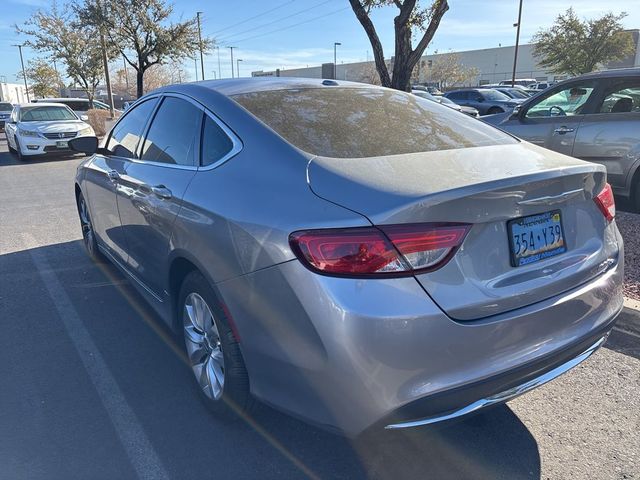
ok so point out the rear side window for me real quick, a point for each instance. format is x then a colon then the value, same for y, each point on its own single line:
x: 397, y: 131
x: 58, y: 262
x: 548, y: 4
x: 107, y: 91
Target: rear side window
x: 172, y: 135
x: 457, y: 95
x: 366, y: 122
x: 622, y: 98
x: 126, y: 134
x: 215, y: 143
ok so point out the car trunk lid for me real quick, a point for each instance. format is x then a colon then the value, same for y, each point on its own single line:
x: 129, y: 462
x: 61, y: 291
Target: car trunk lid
x: 485, y: 187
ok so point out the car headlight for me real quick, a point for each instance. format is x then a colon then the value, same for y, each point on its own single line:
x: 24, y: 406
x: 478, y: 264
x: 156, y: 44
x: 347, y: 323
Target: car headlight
x: 28, y: 133
x: 86, y: 131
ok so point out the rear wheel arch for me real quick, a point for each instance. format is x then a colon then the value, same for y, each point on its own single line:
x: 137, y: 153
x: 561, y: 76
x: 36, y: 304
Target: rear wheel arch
x: 634, y: 188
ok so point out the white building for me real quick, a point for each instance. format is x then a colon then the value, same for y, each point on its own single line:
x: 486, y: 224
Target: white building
x: 13, y: 92
x: 494, y: 65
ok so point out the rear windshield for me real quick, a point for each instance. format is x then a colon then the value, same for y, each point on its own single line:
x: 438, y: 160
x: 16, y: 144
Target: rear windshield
x: 366, y: 122
x: 39, y: 114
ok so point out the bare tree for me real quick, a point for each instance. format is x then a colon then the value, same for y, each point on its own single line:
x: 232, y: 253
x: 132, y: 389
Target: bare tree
x: 411, y: 15
x: 448, y: 71
x: 155, y: 77
x: 142, y: 33
x: 43, y: 78
x: 60, y: 34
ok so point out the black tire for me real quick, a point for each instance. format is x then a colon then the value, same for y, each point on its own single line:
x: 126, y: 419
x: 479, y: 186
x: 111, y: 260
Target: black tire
x: 235, y: 399
x: 88, y: 234
x: 18, y: 152
x: 494, y: 110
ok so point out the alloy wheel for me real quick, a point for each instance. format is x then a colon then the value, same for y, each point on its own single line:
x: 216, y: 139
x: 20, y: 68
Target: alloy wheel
x: 204, y: 347
x: 87, y: 229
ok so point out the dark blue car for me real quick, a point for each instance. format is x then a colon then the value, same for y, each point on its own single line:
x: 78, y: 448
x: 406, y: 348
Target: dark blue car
x: 487, y: 101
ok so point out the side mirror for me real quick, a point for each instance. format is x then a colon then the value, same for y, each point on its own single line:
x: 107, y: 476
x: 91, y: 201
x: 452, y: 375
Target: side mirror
x: 516, y: 111
x: 84, y: 118
x: 86, y: 145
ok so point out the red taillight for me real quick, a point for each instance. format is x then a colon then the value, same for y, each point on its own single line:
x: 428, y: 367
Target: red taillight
x: 606, y: 202
x: 390, y: 250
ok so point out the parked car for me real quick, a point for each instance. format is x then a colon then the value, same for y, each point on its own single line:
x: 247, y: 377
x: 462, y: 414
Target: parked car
x: 513, y: 92
x: 421, y: 269
x: 472, y: 112
x: 594, y: 117
x: 519, y: 81
x: 427, y: 88
x: 487, y: 101
x: 43, y: 128
x: 79, y: 105
x: 5, y: 113
x: 540, y: 85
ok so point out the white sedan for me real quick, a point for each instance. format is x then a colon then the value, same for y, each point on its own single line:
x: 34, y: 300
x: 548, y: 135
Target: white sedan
x: 41, y: 128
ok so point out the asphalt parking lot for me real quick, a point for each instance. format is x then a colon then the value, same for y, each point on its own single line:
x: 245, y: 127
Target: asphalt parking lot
x: 94, y: 386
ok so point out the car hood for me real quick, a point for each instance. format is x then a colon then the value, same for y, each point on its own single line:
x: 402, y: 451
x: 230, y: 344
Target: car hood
x: 54, y: 127
x: 497, y: 119
x: 468, y: 109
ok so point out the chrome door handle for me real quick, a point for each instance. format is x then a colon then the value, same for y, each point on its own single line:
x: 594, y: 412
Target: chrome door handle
x: 113, y: 175
x: 162, y: 192
x: 563, y: 130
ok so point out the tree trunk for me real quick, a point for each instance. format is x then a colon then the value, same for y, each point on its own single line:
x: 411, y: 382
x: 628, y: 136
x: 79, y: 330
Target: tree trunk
x: 378, y: 54
x: 139, y: 82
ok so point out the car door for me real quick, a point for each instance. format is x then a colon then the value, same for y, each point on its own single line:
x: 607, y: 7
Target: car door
x: 152, y: 186
x: 610, y: 135
x: 103, y: 172
x: 553, y: 118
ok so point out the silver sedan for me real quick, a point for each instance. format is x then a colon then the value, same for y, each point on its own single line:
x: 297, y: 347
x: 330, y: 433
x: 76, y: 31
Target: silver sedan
x: 353, y: 255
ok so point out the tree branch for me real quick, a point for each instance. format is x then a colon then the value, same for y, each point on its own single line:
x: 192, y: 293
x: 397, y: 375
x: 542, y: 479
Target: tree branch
x: 436, y: 16
x: 378, y: 53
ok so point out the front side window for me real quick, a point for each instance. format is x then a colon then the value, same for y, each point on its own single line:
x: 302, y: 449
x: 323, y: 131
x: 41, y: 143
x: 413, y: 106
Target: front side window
x: 495, y: 96
x: 567, y: 101
x: 172, y: 135
x: 126, y: 134
x: 622, y: 98
x: 46, y: 114
x: 360, y: 122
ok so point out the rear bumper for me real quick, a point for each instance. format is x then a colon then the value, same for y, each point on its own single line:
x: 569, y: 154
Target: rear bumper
x: 350, y: 354
x: 459, y: 402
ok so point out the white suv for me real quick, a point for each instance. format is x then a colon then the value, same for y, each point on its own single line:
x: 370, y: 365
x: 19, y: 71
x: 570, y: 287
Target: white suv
x: 41, y: 128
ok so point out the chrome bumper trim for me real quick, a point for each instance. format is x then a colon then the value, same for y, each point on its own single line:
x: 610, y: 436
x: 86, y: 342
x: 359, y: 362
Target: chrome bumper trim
x: 507, y: 394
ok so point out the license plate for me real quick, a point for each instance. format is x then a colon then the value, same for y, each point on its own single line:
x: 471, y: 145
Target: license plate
x: 536, y: 237
x: 62, y: 144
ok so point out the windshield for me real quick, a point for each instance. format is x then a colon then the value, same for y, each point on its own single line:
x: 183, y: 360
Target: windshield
x: 365, y: 122
x: 446, y: 101
x: 4, y: 106
x: 495, y: 96
x: 517, y: 93
x: 46, y: 114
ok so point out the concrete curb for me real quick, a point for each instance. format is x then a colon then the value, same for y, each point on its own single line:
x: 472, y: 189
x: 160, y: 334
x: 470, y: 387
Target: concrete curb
x: 629, y: 318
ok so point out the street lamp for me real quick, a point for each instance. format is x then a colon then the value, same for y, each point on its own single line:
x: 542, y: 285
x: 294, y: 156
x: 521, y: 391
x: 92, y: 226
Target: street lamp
x: 219, y: 69
x: 238, y: 67
x: 335, y: 67
x: 515, y: 55
x: 24, y: 74
x: 231, y: 48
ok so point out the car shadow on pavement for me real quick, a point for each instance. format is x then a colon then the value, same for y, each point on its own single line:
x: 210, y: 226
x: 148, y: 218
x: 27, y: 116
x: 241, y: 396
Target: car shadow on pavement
x: 143, y: 355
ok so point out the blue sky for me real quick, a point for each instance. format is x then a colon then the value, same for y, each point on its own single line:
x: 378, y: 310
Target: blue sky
x: 294, y: 33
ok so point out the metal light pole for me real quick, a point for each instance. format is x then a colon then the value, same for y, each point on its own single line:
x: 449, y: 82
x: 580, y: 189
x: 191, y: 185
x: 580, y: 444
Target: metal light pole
x: 238, y: 67
x: 335, y: 67
x: 219, y: 69
x: 195, y: 62
x: 515, y: 56
x: 215, y: 77
x: 126, y: 73
x: 200, y: 45
x: 232, y: 73
x: 24, y: 74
